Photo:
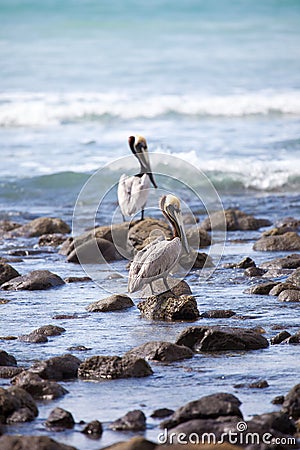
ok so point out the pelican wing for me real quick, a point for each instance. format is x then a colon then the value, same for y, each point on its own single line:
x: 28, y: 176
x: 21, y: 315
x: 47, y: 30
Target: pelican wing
x: 155, y: 260
x: 133, y: 193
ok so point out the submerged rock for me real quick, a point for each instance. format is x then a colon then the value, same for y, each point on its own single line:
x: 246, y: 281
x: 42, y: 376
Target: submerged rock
x: 115, y: 302
x: 35, y: 280
x: 16, y: 405
x: 38, y: 388
x: 31, y: 443
x: 170, y: 307
x: 218, y: 314
x: 112, y: 367
x: 132, y: 421
x: 57, y: 368
x: 60, y: 419
x: 162, y: 413
x: 232, y: 220
x: 41, y: 226
x: 161, y: 351
x: 215, y: 338
x: 286, y: 242
x: 7, y: 273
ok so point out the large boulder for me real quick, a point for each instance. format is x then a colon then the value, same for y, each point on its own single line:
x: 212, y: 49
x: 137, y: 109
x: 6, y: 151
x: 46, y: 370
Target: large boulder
x: 38, y: 388
x: 94, y: 251
x: 232, y: 220
x: 286, y: 242
x: 112, y: 367
x: 35, y: 280
x: 142, y: 232
x: 115, y: 302
x: 16, y: 405
x: 132, y: 421
x: 7, y: 273
x: 57, y: 368
x: 170, y: 307
x: 31, y: 443
x: 59, y: 419
x: 40, y: 226
x: 218, y: 338
x: 161, y: 351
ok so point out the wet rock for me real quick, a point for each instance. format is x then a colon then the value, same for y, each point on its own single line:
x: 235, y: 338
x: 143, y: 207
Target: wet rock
x: 31, y: 443
x: 6, y: 359
x: 16, y: 405
x: 59, y: 419
x: 289, y: 296
x: 277, y: 231
x: 141, y: 233
x: 7, y: 225
x: 7, y: 273
x: 275, y: 423
x: 57, y: 368
x: 77, y: 279
x: 195, y: 260
x: 280, y: 337
x: 41, y: 226
x: 287, y: 262
x: 260, y: 384
x: 218, y: 314
x: 9, y: 371
x: 254, y: 272
x: 135, y: 443
x: 211, y: 339
x: 33, y: 338
x: 198, y: 237
x: 35, y: 280
x: 161, y: 413
x: 294, y: 339
x: 112, y: 367
x: 261, y: 289
x: 291, y: 404
x: 278, y: 400
x: 67, y: 246
x: 234, y: 219
x: 208, y: 407
x: 79, y: 348
x: 286, y: 242
x: 38, y: 388
x: 51, y: 240
x: 161, y: 351
x: 295, y: 278
x: 132, y: 421
x: 245, y: 263
x: 276, y: 290
x: 115, y: 302
x: 94, y: 251
x: 50, y: 330
x: 93, y: 429
x: 288, y: 222
x: 170, y: 307
x: 65, y: 316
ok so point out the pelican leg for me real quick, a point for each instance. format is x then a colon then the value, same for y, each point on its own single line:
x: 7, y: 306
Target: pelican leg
x: 151, y: 287
x: 166, y: 284
x: 124, y: 220
x: 142, y: 215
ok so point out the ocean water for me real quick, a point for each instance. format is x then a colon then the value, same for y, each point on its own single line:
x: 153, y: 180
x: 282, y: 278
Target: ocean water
x: 215, y: 83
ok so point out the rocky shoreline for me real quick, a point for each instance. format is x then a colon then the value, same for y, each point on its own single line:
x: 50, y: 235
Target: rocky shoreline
x: 31, y: 383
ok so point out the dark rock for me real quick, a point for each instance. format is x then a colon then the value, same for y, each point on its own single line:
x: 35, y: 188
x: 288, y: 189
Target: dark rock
x: 208, y: 407
x: 7, y: 273
x: 132, y: 421
x: 218, y: 314
x: 93, y: 429
x: 287, y: 262
x: 162, y: 413
x: 65, y: 316
x: 135, y: 443
x: 254, y: 272
x: 67, y: 246
x: 286, y: 242
x: 168, y: 306
x: 31, y: 443
x: 245, y: 263
x: 277, y: 231
x: 77, y: 279
x: 273, y: 423
x: 232, y: 220
x: 6, y: 359
x: 51, y: 240
x: 79, y: 348
x: 49, y: 330
x: 59, y: 419
x: 288, y: 222
x: 262, y: 288
x: 161, y: 351
x: 9, y: 371
x: 289, y: 296
x: 7, y: 225
x: 41, y: 226
x: 94, y: 251
x: 211, y: 339
x: 198, y: 237
x: 57, y: 368
x: 295, y: 278
x: 278, y: 400
x: 294, y: 339
x: 16, y: 400
x: 276, y: 290
x: 112, y: 367
x: 33, y: 338
x: 115, y: 302
x: 260, y: 384
x: 291, y: 404
x: 38, y: 388
x: 35, y: 280
x: 141, y: 233
x: 280, y: 337
x: 195, y: 260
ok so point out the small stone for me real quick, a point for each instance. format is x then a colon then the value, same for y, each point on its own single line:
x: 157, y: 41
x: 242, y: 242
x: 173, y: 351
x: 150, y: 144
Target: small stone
x: 77, y: 279
x: 280, y: 337
x: 218, y: 314
x: 278, y: 400
x: 133, y: 421
x: 7, y: 273
x: 35, y: 280
x: 161, y: 351
x: 9, y: 371
x: 115, y: 302
x: 60, y: 419
x: 93, y: 429
x: 79, y: 348
x: 261, y: 289
x: 161, y: 413
x: 7, y: 359
x: 33, y: 338
x: 254, y: 272
x: 261, y: 384
x: 51, y: 240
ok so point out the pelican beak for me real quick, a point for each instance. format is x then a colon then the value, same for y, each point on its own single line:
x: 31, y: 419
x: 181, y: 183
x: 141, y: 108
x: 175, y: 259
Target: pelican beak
x: 143, y: 157
x: 178, y: 223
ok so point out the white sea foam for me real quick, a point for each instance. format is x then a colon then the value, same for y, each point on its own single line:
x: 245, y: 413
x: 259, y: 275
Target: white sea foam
x: 42, y: 109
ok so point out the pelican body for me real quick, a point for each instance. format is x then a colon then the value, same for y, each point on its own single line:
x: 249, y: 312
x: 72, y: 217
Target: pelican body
x: 133, y: 191
x: 157, y: 259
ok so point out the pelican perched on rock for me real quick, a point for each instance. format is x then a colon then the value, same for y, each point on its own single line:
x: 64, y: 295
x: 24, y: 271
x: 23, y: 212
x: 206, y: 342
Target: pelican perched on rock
x: 133, y: 191
x: 158, y: 258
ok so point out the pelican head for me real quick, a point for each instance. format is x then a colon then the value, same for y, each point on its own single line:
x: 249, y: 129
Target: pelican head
x: 138, y: 146
x: 170, y: 206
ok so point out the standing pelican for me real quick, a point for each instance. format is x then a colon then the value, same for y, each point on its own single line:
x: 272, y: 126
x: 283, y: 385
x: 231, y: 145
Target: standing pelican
x: 133, y: 191
x: 157, y: 259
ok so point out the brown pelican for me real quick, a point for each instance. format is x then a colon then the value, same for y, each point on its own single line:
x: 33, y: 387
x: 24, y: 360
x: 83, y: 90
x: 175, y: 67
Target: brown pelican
x: 157, y: 259
x: 133, y: 191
